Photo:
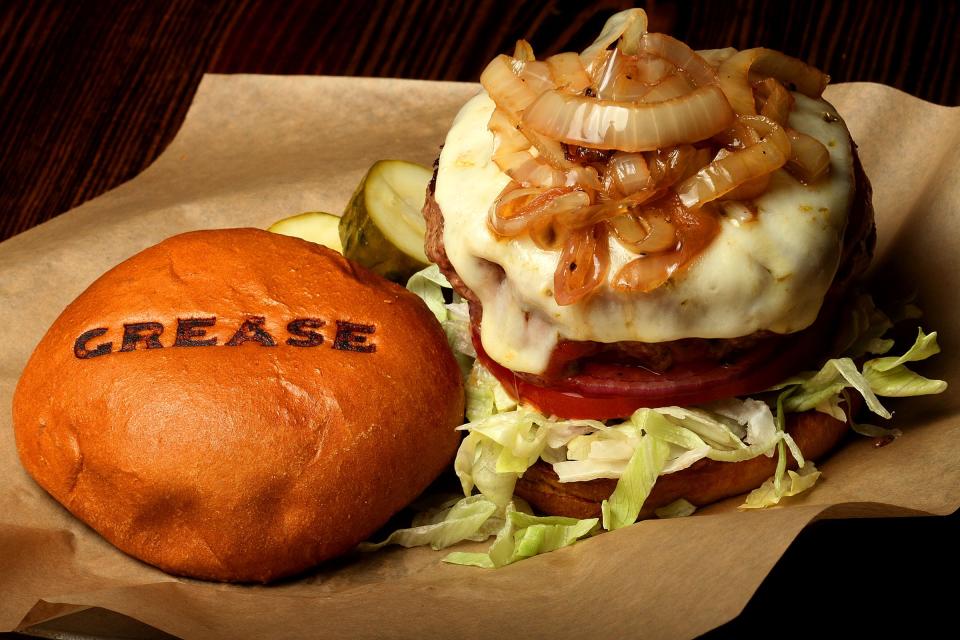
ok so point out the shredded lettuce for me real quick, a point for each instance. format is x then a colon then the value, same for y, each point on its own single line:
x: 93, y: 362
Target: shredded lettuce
x: 485, y: 395
x: 523, y: 536
x: 890, y: 376
x: 863, y: 329
x: 454, y: 317
x: 835, y: 376
x: 677, y: 509
x: 462, y: 520
x: 648, y: 460
x: 887, y: 376
x: 769, y: 494
x: 428, y: 285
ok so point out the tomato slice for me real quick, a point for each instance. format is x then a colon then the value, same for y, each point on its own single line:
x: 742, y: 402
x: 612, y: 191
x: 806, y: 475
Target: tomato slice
x: 602, y: 391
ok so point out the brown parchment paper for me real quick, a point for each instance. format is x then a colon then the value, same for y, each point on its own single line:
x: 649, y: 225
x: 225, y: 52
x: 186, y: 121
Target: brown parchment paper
x: 257, y: 148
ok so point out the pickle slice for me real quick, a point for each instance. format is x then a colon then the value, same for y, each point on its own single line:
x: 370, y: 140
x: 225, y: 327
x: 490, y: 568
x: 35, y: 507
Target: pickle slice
x: 382, y: 227
x: 315, y: 226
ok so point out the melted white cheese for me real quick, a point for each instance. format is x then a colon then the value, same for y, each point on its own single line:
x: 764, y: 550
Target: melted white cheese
x: 769, y: 273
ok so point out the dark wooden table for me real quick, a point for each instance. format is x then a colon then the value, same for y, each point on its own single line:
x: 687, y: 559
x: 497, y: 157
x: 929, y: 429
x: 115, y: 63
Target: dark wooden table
x: 91, y: 92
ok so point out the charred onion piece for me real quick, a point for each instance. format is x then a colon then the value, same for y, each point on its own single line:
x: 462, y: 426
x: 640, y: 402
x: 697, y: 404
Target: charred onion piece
x: 583, y: 264
x: 601, y: 124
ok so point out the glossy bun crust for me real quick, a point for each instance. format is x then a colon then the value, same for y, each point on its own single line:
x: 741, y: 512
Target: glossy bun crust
x: 702, y: 483
x: 327, y: 403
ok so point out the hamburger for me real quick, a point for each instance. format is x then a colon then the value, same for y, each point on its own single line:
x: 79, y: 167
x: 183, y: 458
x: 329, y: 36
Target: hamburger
x: 657, y: 249
x: 238, y: 405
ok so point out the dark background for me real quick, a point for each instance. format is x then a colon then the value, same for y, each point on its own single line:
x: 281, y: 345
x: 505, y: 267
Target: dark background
x: 91, y: 93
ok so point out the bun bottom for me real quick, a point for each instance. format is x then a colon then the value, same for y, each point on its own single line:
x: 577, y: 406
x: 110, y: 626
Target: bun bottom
x: 702, y: 483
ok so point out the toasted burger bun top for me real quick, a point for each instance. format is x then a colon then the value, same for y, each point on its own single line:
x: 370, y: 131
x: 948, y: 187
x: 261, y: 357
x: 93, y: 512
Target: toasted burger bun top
x: 238, y: 405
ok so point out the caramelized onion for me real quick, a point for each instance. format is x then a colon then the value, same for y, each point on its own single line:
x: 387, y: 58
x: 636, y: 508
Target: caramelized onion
x: 616, y: 25
x: 583, y: 264
x: 809, y: 159
x: 727, y: 173
x: 647, y: 273
x: 508, y: 137
x: 633, y: 114
x: 516, y: 210
x: 807, y: 79
x: 680, y: 56
x: 769, y: 129
x: 568, y: 73
x: 549, y: 150
x: 696, y: 228
x: 671, y: 87
x: 626, y: 89
x: 536, y: 75
x: 651, y: 69
x: 503, y: 85
x: 548, y: 235
x: 740, y: 135
x: 697, y: 160
x: 777, y: 101
x: 630, y: 127
x: 523, y: 51
x: 715, y: 57
x: 583, y: 177
x: 630, y: 172
x: 614, y: 65
x: 668, y: 166
x: 527, y: 170
x: 649, y: 232
x: 734, y: 76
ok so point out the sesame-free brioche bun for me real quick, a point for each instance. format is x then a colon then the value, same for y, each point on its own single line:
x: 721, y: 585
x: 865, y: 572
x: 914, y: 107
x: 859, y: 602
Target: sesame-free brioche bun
x: 237, y: 405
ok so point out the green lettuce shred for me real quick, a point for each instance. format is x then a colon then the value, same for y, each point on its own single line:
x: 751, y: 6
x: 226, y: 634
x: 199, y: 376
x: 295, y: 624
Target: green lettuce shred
x: 887, y: 376
x: 428, y: 285
x: 633, y: 487
x: 890, y: 376
x: 463, y: 520
x: 485, y: 395
x: 454, y: 317
x: 523, y: 536
x: 768, y: 494
x: 680, y: 508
